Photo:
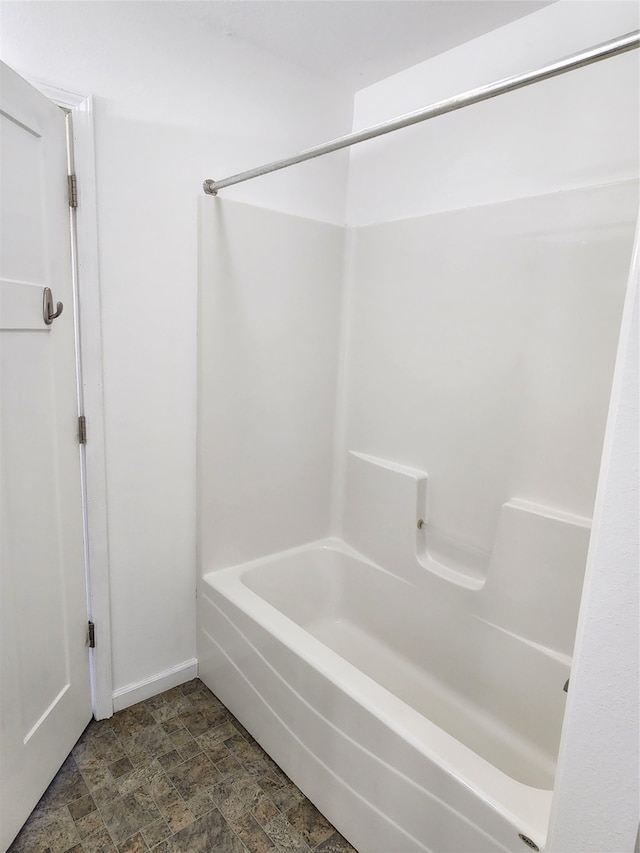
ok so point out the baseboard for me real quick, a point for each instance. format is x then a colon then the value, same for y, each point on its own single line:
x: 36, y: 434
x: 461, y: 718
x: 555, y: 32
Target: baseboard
x: 148, y: 687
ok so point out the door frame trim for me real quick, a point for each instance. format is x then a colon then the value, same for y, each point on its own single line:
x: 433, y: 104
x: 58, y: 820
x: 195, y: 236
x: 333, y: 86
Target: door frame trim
x: 91, y: 377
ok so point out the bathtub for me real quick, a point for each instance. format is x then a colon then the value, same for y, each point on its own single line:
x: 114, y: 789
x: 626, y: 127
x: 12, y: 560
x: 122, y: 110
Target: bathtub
x: 417, y: 727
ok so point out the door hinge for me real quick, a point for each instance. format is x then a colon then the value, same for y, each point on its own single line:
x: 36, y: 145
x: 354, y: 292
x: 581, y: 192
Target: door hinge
x: 91, y: 635
x: 82, y: 430
x: 73, y: 190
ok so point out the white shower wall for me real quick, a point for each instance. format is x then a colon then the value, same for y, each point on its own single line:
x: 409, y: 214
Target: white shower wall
x: 269, y: 317
x: 476, y: 340
x: 481, y: 346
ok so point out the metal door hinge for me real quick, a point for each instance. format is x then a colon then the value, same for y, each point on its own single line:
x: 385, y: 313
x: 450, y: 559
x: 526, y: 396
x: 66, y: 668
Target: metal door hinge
x: 73, y: 190
x: 91, y: 635
x: 82, y: 430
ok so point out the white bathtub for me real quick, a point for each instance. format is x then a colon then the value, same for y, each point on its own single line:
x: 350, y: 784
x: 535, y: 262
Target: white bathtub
x: 416, y: 727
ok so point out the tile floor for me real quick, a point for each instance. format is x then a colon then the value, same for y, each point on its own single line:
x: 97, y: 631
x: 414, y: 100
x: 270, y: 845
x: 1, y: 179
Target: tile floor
x: 174, y: 774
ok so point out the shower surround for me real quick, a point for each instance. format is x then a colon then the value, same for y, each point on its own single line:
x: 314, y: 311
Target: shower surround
x: 400, y: 429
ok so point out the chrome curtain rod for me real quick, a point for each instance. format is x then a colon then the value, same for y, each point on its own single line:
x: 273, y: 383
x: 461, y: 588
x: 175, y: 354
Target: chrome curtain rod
x: 607, y: 49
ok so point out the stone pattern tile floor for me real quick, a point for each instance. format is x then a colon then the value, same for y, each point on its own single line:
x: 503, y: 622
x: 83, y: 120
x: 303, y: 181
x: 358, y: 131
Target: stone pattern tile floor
x: 174, y: 774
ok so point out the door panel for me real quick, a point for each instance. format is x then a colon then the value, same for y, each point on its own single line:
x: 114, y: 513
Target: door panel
x: 45, y: 700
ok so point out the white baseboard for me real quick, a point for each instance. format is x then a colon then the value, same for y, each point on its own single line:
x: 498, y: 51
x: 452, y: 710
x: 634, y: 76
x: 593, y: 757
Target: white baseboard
x: 148, y: 687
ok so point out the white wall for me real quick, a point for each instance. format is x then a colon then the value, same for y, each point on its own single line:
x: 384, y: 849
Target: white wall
x: 598, y: 782
x: 174, y: 105
x: 573, y: 131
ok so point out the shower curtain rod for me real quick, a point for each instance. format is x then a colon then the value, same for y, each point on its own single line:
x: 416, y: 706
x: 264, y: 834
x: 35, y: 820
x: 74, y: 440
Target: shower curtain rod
x: 607, y: 49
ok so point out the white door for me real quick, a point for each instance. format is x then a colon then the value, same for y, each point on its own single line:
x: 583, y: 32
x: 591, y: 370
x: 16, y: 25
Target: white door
x: 45, y: 699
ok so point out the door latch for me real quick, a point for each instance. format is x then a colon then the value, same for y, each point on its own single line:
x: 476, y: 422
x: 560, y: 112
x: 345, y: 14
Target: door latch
x: 48, y: 314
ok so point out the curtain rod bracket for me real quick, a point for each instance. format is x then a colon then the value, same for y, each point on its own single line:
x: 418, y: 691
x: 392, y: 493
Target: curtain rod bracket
x: 209, y: 187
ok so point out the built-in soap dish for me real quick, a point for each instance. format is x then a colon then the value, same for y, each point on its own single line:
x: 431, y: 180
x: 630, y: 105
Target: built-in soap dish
x: 449, y: 558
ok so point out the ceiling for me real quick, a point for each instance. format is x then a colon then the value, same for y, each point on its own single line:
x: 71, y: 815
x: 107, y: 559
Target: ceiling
x: 357, y: 42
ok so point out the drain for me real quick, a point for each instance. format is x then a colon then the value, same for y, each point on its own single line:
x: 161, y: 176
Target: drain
x: 528, y: 841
